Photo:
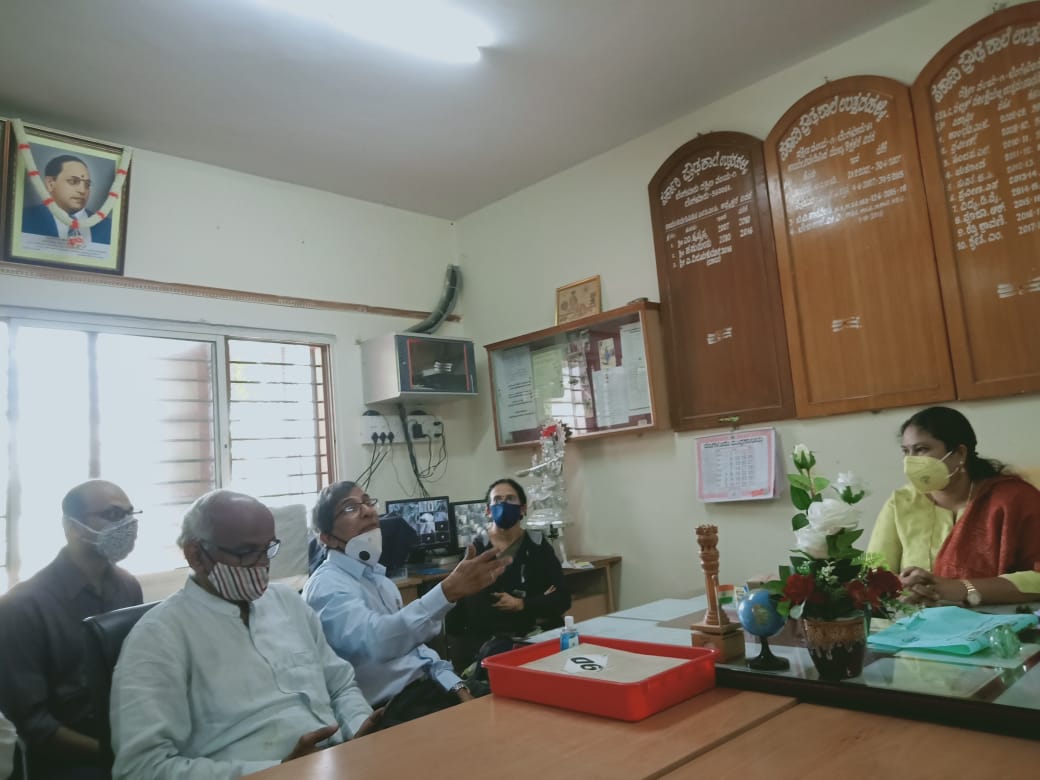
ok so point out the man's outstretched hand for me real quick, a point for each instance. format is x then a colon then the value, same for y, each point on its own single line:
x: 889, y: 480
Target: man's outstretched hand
x: 473, y: 574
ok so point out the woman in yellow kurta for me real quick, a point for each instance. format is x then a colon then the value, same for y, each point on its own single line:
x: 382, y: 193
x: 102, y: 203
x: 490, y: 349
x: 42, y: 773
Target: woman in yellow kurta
x: 965, y: 530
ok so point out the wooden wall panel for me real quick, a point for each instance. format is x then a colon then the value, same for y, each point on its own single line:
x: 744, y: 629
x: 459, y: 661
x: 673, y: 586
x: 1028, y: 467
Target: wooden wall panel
x: 720, y: 295
x: 977, y: 106
x: 857, y: 266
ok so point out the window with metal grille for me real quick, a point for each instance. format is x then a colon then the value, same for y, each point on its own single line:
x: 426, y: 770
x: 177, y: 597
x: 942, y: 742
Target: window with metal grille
x: 135, y: 410
x: 153, y: 414
x: 278, y: 420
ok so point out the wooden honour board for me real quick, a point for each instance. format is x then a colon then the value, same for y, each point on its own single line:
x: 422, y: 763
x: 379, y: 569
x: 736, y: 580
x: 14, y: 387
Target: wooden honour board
x: 854, y: 247
x: 977, y: 105
x: 720, y: 294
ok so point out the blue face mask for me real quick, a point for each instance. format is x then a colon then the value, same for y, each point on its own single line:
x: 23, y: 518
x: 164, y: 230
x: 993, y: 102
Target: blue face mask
x: 506, y: 515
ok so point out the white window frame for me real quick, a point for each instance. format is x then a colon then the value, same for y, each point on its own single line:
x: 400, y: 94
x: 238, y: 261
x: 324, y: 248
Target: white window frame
x: 216, y: 335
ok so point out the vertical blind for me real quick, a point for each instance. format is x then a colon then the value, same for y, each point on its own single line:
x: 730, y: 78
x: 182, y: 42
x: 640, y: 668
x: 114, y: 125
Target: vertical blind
x: 156, y: 433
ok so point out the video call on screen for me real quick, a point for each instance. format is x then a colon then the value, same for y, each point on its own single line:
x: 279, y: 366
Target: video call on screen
x: 428, y: 517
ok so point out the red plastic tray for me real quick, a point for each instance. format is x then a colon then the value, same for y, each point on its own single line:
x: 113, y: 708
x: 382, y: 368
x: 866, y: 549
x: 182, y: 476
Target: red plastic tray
x: 625, y: 701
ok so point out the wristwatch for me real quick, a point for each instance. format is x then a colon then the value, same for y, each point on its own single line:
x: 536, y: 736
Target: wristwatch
x: 458, y: 687
x: 972, y: 598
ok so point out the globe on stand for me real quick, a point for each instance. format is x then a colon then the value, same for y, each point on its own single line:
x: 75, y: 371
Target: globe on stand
x: 758, y: 616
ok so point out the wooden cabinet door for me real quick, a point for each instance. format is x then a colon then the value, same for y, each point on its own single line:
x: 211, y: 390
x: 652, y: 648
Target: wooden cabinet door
x: 860, y: 288
x: 720, y: 293
x: 977, y: 106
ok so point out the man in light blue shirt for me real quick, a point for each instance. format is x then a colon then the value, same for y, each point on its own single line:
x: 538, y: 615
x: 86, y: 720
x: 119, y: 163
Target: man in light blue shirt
x: 361, y: 612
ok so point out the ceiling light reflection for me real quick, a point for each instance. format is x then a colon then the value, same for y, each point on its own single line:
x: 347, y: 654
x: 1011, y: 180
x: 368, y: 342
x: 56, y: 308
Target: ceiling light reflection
x: 423, y: 28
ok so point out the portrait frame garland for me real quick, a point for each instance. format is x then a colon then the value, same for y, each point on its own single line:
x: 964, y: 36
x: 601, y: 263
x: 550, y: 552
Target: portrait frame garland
x: 578, y: 300
x: 39, y: 231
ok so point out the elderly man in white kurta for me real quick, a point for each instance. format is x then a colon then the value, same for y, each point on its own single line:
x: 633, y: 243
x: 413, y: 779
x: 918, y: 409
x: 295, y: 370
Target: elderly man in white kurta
x: 229, y: 675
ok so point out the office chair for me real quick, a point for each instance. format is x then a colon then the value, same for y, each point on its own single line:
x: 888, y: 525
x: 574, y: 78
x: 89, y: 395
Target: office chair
x: 399, y: 539
x: 105, y: 635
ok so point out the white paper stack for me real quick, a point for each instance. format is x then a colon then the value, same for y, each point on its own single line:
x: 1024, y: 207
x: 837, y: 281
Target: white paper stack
x: 604, y: 663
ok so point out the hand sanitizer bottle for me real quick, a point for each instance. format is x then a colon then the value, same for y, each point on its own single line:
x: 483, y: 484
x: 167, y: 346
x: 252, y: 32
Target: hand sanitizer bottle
x: 569, y: 634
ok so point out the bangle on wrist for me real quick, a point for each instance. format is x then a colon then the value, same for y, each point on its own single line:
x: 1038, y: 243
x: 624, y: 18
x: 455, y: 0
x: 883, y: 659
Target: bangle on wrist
x: 972, y: 597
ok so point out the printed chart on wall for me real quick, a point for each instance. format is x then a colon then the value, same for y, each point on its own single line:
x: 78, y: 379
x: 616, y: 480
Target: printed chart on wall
x: 737, y: 466
x: 621, y: 391
x: 515, y: 390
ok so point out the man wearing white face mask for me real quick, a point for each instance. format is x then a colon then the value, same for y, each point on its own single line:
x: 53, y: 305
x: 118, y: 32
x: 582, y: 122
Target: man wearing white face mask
x: 965, y: 530
x: 361, y: 612
x: 42, y: 689
x: 229, y: 675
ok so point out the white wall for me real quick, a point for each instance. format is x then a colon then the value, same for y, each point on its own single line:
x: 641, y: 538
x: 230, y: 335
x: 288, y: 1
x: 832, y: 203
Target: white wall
x: 636, y: 495
x: 199, y: 224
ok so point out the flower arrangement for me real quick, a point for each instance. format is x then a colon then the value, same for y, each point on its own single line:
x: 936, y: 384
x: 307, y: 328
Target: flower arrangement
x: 828, y: 577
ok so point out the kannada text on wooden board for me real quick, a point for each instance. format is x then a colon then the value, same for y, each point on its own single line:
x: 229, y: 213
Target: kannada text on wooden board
x: 710, y: 213
x: 854, y: 249
x: 978, y: 111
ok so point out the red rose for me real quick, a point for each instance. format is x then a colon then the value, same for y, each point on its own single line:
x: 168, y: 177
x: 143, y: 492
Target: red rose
x: 884, y: 583
x: 799, y: 588
x: 861, y: 594
x: 548, y: 431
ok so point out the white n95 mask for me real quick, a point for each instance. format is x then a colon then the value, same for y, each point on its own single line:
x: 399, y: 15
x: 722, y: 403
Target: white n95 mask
x: 366, y: 547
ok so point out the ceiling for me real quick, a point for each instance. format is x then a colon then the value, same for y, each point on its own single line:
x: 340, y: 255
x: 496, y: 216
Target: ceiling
x: 239, y: 85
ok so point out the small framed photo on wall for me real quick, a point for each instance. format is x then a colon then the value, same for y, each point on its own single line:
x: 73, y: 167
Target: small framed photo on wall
x: 578, y: 300
x: 66, y: 201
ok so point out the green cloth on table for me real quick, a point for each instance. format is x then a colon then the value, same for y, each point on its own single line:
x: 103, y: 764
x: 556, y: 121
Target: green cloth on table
x: 987, y: 657
x: 946, y: 630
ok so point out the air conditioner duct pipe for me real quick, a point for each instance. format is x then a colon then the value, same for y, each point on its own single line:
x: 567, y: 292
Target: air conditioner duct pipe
x: 445, y: 306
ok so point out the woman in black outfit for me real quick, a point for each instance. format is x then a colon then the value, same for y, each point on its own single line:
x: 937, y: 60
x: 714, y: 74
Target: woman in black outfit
x: 530, y: 594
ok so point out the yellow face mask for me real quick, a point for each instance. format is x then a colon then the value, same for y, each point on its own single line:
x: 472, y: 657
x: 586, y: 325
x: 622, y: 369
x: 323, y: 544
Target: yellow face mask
x: 926, y: 473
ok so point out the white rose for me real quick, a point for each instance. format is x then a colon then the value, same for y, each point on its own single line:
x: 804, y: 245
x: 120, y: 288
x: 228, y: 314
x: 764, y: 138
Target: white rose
x: 846, y: 479
x: 831, y: 515
x: 802, y: 457
x: 811, y: 542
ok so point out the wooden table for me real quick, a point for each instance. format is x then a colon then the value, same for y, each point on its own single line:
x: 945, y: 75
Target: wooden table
x: 811, y: 741
x: 592, y: 589
x: 507, y: 738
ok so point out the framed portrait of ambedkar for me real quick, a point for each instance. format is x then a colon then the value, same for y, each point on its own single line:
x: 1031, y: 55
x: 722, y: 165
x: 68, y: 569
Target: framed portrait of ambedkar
x: 67, y: 201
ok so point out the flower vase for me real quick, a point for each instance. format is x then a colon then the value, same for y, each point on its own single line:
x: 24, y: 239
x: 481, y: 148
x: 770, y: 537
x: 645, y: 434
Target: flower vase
x: 837, y: 646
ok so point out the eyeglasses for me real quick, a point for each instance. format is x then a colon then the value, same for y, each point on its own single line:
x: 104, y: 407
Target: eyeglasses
x: 113, y: 514
x: 76, y: 181
x: 354, y: 507
x: 251, y: 556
